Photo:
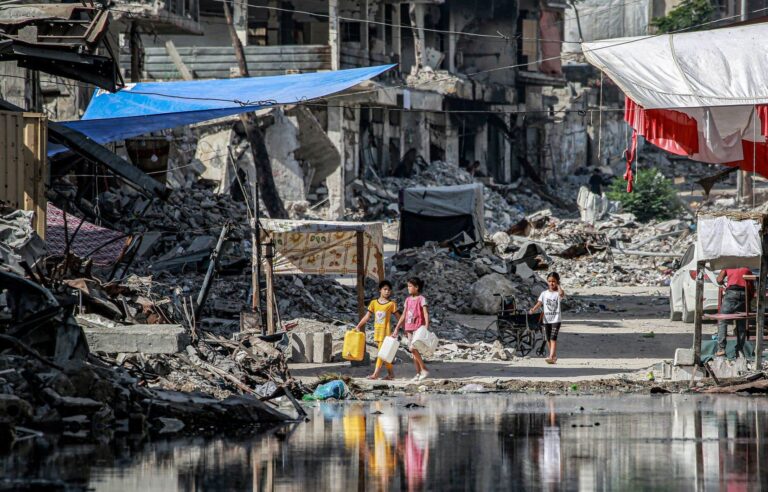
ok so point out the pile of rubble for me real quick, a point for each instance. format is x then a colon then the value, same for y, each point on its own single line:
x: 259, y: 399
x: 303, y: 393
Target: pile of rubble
x: 505, y: 205
x: 612, y: 252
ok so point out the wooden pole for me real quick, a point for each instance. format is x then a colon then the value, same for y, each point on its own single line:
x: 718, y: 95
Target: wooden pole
x: 268, y: 256
x: 760, y: 325
x: 178, y: 62
x: 699, y: 312
x: 360, y: 273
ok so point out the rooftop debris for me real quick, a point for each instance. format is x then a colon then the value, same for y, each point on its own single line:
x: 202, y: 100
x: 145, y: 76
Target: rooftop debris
x: 61, y: 40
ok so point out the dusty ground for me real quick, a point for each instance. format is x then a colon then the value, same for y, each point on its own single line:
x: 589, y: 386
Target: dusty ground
x: 633, y: 334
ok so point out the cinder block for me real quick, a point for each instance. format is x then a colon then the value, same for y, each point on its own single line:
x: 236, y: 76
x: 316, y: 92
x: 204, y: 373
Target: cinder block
x: 322, y: 348
x: 684, y: 357
x: 301, y: 347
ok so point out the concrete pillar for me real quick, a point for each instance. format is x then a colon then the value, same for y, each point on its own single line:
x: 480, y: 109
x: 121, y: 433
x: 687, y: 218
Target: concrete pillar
x: 481, y: 147
x: 452, y: 38
x: 416, y: 11
x: 336, y: 182
x: 397, y: 37
x: 240, y: 20
x: 386, y: 134
x: 334, y: 40
x: 365, y: 43
x: 273, y: 24
x: 425, y: 137
x: 451, y: 141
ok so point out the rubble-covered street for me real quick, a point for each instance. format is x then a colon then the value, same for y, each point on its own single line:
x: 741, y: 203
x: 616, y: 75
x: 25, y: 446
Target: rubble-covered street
x: 258, y: 245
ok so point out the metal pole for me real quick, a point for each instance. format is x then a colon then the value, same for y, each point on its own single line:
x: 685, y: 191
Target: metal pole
x: 760, y: 325
x: 699, y: 312
x: 212, y: 265
x: 361, y: 270
x: 743, y: 181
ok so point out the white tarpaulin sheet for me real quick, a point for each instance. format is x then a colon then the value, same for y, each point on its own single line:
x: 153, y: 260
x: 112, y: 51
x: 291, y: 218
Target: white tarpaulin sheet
x: 316, y: 247
x: 605, y: 19
x: 728, y: 243
x: 720, y: 67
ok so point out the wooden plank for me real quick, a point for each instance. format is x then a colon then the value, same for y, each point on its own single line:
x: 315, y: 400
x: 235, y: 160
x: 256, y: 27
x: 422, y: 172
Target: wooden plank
x: 248, y: 50
x: 219, y: 67
x: 264, y: 63
x: 18, y: 144
x: 699, y: 307
x: 35, y: 166
x: 760, y: 332
x: 186, y: 74
x: 360, y: 237
x: 270, y: 278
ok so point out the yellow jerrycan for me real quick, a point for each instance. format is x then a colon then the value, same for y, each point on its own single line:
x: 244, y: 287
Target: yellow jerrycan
x: 354, y: 346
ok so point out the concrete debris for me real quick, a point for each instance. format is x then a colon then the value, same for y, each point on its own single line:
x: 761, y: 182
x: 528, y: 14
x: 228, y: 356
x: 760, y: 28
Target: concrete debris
x: 610, y: 252
x: 488, y: 291
x: 501, y: 212
x: 18, y: 240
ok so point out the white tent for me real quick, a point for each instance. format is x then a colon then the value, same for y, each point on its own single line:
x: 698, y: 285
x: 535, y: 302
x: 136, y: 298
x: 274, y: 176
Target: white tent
x: 701, y: 94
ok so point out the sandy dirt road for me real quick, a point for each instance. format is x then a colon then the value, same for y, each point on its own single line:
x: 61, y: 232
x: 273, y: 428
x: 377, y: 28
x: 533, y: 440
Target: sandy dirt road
x: 632, y: 334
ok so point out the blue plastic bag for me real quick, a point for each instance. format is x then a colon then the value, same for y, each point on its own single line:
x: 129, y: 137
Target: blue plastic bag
x: 335, y: 389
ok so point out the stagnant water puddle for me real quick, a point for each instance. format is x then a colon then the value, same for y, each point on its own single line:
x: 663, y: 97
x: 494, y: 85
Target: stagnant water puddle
x: 441, y: 442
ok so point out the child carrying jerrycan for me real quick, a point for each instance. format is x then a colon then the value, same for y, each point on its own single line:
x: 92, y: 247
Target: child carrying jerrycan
x: 382, y: 310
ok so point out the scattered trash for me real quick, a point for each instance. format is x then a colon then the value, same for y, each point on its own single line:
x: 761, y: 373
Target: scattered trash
x: 472, y: 388
x: 336, y: 390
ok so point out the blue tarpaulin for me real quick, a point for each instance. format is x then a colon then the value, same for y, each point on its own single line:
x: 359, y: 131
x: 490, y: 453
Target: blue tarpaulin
x: 151, y: 106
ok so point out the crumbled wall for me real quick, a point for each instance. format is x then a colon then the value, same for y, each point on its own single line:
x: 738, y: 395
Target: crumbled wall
x: 282, y: 140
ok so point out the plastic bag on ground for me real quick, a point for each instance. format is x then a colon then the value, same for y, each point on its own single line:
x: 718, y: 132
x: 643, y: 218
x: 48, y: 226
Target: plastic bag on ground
x: 335, y: 389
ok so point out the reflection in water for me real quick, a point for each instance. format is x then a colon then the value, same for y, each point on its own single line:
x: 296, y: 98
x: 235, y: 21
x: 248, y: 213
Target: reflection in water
x: 459, y: 442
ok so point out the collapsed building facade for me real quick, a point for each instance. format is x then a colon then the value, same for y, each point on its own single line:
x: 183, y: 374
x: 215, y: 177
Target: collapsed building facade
x: 471, y: 86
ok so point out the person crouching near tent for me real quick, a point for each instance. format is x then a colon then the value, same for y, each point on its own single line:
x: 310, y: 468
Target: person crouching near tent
x: 382, y: 310
x: 550, y: 301
x: 415, y: 315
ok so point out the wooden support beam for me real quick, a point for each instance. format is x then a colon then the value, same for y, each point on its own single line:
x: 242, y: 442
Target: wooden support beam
x: 360, y: 236
x: 185, y: 72
x: 760, y: 326
x: 270, y: 277
x: 699, y: 307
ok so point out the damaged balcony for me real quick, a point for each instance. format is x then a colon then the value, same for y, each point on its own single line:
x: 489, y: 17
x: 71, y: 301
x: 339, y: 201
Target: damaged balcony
x: 162, y: 16
x: 63, y: 40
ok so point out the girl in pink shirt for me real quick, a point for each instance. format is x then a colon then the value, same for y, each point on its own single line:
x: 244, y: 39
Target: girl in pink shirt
x: 415, y: 315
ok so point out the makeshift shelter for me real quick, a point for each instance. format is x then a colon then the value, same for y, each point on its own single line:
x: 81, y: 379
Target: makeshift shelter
x: 437, y: 213
x: 146, y: 107
x: 699, y: 94
x: 731, y: 240
x: 323, y: 248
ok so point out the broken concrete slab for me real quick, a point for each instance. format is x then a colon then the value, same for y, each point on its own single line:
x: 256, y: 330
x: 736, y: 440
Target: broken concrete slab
x: 146, y: 339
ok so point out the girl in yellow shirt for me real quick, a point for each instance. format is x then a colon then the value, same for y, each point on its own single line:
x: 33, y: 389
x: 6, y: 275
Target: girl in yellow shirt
x: 382, y: 310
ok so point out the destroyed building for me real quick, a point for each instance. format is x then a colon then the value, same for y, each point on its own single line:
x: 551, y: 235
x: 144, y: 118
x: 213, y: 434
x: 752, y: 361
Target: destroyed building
x: 470, y: 87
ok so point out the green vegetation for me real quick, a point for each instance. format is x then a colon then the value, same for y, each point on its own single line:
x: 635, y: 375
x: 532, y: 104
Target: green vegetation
x: 687, y: 14
x: 654, y: 196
